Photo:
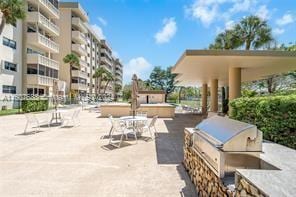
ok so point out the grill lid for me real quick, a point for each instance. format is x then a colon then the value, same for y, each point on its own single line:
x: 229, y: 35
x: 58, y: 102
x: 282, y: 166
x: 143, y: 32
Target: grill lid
x: 219, y: 129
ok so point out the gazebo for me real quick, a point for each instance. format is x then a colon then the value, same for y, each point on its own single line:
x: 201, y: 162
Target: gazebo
x: 214, y: 68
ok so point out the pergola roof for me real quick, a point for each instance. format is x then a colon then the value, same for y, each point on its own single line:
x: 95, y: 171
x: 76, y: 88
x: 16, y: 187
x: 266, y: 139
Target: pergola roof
x: 196, y: 67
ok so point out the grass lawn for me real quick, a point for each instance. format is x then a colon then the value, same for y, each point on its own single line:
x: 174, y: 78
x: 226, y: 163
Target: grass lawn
x: 190, y: 103
x: 9, y: 112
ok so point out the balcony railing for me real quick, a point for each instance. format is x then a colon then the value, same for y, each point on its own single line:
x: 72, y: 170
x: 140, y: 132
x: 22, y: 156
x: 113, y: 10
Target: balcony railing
x: 51, y: 7
x: 82, y: 63
x: 40, y: 80
x: 106, y: 60
x: 77, y: 36
x: 44, y: 22
x: 77, y: 48
x: 40, y: 59
x: 78, y: 73
x: 41, y: 41
x: 76, y: 21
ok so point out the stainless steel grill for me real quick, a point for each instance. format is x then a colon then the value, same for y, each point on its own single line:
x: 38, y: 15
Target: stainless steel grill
x: 226, y: 144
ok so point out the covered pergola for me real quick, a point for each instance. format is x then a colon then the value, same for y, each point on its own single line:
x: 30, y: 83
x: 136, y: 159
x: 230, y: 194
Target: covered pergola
x: 221, y: 68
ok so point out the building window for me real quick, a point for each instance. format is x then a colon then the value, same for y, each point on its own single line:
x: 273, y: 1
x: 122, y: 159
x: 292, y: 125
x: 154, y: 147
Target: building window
x: 9, y: 43
x: 9, y: 89
x: 10, y: 66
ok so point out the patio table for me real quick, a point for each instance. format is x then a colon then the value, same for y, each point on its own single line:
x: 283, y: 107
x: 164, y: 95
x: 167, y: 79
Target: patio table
x: 130, y: 118
x: 56, y: 115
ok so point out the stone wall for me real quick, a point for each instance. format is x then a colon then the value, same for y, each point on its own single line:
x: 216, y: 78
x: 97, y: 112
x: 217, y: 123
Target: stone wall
x: 207, y: 182
x: 245, y: 188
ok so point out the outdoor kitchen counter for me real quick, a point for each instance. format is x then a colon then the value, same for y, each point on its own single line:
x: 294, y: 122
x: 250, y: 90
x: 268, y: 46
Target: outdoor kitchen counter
x: 276, y: 183
x: 162, y: 110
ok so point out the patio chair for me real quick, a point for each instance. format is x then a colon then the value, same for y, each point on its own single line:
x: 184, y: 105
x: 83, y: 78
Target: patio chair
x: 150, y: 127
x: 144, y: 122
x: 71, y: 118
x: 119, y: 127
x: 32, y: 120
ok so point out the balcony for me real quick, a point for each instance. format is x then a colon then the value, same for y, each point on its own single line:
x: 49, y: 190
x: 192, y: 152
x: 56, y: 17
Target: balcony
x: 79, y: 86
x: 40, y: 80
x: 104, y: 51
x: 42, y: 42
x: 47, y: 25
x: 107, y: 67
x: 80, y: 74
x: 78, y: 37
x: 118, y: 72
x: 77, y: 22
x: 83, y: 63
x: 77, y: 48
x: 47, y: 7
x: 106, y: 60
x: 45, y: 61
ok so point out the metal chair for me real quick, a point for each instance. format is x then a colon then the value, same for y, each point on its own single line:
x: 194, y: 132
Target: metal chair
x: 150, y: 127
x: 33, y: 120
x: 74, y: 118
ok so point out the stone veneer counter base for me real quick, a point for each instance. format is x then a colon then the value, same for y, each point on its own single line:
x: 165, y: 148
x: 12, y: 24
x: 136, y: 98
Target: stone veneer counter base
x: 248, y: 182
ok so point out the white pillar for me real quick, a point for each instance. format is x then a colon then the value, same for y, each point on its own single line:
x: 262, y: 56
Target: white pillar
x: 214, y: 95
x: 204, y: 96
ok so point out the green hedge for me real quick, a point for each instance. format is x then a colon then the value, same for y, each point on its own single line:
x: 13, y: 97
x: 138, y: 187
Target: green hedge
x: 275, y: 116
x: 34, y: 105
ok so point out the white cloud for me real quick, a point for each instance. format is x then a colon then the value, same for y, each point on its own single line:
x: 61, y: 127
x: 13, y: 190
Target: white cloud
x: 210, y: 11
x: 263, y: 12
x: 139, y: 66
x: 98, y: 30
x: 243, y: 6
x: 229, y: 24
x: 285, y: 20
x: 102, y: 21
x: 167, y: 32
x: 278, y: 31
x: 204, y: 11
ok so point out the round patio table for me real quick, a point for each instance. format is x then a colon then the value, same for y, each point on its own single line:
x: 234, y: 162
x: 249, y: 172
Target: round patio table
x: 126, y: 119
x: 56, y: 115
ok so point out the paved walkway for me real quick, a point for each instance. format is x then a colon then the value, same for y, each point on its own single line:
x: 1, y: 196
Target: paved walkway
x: 77, y: 162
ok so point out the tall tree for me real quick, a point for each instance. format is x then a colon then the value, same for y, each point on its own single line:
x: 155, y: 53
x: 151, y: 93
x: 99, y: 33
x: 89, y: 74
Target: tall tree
x: 73, y: 61
x: 98, y: 77
x: 10, y: 12
x: 107, y: 78
x: 162, y: 79
x: 226, y: 40
x: 254, y: 32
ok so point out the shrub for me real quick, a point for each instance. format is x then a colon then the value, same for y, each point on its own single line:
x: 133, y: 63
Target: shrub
x: 34, y: 105
x: 275, y: 116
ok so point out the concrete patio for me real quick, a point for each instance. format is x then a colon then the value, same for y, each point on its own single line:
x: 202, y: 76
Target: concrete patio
x: 77, y: 162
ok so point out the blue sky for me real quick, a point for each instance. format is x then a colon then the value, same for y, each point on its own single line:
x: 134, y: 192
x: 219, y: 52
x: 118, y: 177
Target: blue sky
x: 148, y: 33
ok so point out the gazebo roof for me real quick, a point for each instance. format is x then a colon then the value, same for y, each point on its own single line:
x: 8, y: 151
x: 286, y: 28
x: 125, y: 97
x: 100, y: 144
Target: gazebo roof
x: 196, y: 67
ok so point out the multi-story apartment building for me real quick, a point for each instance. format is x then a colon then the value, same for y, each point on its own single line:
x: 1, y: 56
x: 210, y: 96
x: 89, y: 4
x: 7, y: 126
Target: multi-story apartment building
x: 93, y: 58
x: 40, y: 30
x: 72, y: 27
x: 118, y: 72
x: 10, y: 62
x: 32, y: 52
x: 107, y: 62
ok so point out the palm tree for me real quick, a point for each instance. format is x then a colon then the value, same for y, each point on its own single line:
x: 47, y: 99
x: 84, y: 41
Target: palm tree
x: 253, y: 32
x: 98, y: 77
x: 73, y: 60
x: 10, y: 12
x: 107, y: 77
x: 226, y: 40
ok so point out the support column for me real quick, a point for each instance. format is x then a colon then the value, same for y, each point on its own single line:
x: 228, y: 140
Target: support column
x: 234, y: 83
x: 214, y: 95
x: 204, y: 100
